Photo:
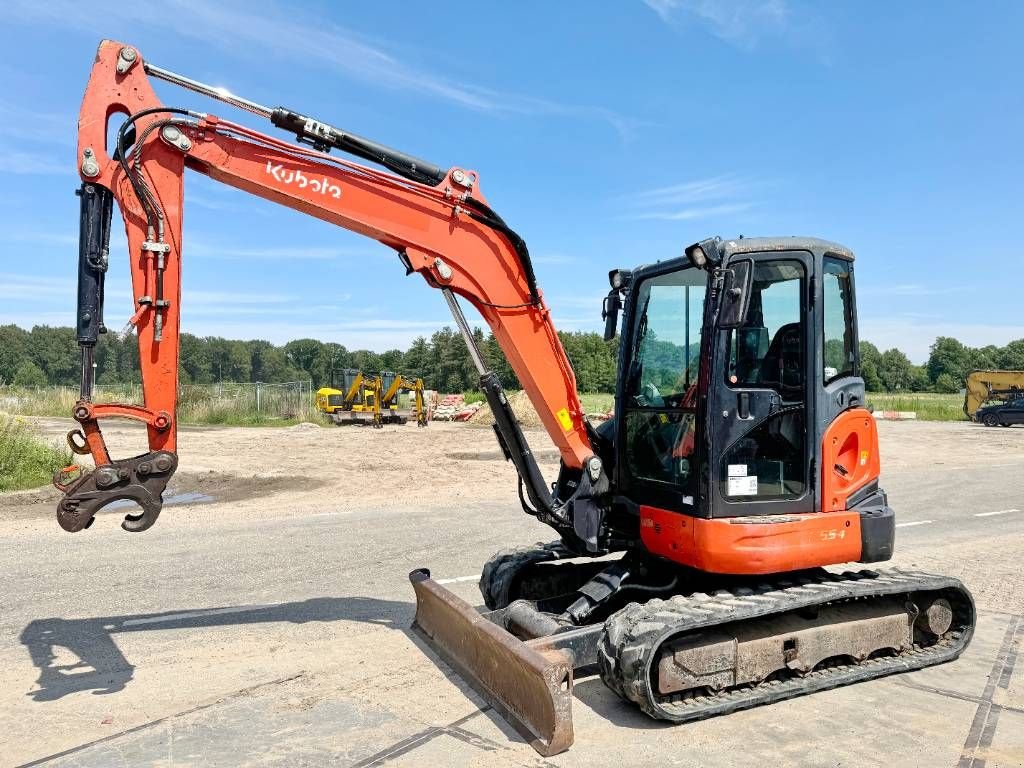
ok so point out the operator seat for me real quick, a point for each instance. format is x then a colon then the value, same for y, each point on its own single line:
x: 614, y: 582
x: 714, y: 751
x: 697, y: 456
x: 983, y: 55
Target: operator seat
x: 782, y: 367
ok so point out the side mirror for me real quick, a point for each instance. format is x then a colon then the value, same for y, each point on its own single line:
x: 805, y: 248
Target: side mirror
x: 610, y: 314
x: 735, y: 302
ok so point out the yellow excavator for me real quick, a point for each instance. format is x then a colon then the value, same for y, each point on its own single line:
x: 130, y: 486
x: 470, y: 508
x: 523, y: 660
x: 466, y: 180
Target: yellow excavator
x: 357, y: 403
x: 393, y: 385
x: 985, y: 386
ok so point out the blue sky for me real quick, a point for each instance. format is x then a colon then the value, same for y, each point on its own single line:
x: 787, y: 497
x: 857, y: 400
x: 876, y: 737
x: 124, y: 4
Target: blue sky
x: 607, y: 134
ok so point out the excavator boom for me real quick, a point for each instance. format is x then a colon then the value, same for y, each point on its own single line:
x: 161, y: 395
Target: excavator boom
x: 983, y: 386
x: 437, y: 221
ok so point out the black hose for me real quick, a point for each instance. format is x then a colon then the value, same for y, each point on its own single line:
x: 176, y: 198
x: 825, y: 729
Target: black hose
x: 486, y: 215
x: 122, y: 160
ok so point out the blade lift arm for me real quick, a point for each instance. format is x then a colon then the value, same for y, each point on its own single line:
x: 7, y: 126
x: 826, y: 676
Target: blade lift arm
x: 438, y: 222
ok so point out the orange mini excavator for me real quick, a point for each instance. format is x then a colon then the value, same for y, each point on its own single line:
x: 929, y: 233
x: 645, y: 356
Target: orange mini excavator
x: 692, y: 528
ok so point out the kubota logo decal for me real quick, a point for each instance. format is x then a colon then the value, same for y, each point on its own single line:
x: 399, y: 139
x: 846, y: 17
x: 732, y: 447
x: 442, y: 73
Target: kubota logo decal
x: 301, y: 180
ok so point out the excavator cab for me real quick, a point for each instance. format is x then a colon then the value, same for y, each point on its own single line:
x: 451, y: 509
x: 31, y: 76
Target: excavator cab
x: 736, y: 363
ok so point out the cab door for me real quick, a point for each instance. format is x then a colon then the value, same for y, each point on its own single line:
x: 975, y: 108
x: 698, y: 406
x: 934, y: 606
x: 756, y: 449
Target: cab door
x: 759, y: 405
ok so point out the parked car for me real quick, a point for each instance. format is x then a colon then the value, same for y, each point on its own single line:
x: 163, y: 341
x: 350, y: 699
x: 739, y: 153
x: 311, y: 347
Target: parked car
x: 1003, y: 414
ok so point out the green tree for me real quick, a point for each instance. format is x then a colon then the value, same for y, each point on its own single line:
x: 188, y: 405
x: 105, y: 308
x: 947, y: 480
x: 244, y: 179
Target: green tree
x: 304, y: 354
x: 55, y: 351
x: 896, y: 371
x: 416, y: 361
x: 1009, y: 358
x: 498, y: 363
x: 194, y: 357
x: 869, y: 372
x: 869, y: 354
x: 29, y: 375
x: 230, y: 360
x: 331, y: 361
x: 946, y: 384
x: 14, y: 346
x: 948, y: 356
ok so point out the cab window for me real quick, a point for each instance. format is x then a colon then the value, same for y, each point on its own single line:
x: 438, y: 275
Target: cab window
x: 839, y: 354
x: 767, y: 352
x: 660, y: 391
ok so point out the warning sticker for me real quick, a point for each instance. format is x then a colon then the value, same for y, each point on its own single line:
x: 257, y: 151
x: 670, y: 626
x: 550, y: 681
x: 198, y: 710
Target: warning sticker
x: 737, y: 470
x: 743, y: 486
x: 564, y: 419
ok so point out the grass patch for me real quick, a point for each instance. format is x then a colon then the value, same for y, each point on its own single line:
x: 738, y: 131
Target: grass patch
x: 25, y: 460
x: 929, y: 406
x: 597, y: 402
x: 215, y: 404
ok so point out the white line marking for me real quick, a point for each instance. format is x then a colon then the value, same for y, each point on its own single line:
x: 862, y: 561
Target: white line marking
x: 916, y: 522
x: 192, y: 615
x: 999, y: 512
x: 458, y: 579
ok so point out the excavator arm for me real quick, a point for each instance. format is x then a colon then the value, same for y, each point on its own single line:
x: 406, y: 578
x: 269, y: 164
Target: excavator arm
x: 438, y: 222
x: 982, y: 386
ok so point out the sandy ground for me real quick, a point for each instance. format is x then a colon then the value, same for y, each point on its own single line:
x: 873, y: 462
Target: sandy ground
x: 308, y: 468
x: 267, y: 623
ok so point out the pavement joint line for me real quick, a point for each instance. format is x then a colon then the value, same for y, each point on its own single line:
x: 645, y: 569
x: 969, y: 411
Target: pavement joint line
x: 418, y: 739
x: 458, y: 579
x: 161, y: 720
x: 986, y: 716
x: 915, y: 522
x: 950, y: 694
x: 997, y: 512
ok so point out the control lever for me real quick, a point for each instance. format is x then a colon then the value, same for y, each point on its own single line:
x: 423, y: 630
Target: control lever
x: 743, y: 405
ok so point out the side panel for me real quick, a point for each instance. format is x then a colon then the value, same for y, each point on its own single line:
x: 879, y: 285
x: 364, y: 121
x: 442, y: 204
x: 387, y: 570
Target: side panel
x: 849, y: 453
x: 764, y: 544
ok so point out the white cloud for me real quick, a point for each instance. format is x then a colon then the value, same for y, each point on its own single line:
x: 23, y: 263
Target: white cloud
x: 284, y: 34
x: 699, y: 198
x: 691, y: 214
x: 699, y: 190
x: 741, y: 22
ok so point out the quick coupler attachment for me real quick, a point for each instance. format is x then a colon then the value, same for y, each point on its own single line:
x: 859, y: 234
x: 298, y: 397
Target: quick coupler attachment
x: 141, y: 479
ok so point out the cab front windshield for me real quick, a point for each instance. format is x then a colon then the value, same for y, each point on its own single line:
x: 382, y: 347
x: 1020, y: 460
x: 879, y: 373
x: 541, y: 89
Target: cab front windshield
x: 660, y: 397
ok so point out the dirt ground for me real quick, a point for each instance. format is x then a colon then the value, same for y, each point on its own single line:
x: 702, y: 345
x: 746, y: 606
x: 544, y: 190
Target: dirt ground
x: 308, y: 468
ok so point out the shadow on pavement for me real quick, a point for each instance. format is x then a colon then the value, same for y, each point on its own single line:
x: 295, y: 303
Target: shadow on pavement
x: 102, y: 668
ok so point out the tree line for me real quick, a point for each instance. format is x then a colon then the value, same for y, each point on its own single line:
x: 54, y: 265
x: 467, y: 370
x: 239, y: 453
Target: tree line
x: 49, y: 355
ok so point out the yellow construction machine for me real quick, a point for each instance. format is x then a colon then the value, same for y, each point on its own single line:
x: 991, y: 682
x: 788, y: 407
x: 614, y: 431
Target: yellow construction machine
x: 358, y: 403
x: 997, y: 386
x: 393, y: 385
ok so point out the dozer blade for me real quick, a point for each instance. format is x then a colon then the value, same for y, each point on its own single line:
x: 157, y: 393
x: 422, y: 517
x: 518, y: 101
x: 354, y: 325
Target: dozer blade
x: 531, y: 689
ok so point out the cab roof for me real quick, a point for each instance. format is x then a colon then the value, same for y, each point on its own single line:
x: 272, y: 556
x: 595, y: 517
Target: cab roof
x: 761, y: 244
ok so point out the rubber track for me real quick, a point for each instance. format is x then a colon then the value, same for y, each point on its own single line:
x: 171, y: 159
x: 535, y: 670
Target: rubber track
x: 629, y: 644
x: 505, y: 566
